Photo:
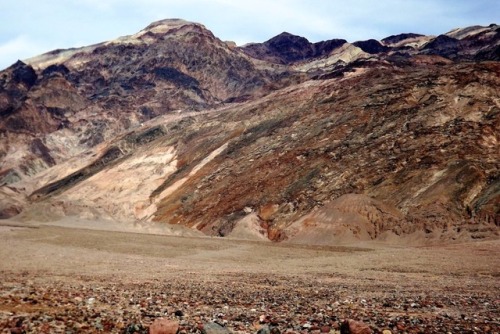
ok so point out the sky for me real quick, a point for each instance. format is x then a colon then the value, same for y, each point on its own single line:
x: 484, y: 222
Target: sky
x: 32, y: 27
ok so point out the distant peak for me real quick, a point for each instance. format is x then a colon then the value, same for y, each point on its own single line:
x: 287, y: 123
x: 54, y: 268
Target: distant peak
x: 287, y: 35
x: 400, y: 37
x: 168, y: 24
x: 170, y: 27
x: 18, y: 63
x: 287, y: 41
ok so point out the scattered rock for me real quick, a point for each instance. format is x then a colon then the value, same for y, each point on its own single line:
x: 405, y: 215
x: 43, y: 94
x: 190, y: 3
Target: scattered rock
x: 135, y: 328
x: 325, y: 329
x: 164, y: 326
x: 307, y: 325
x: 354, y: 327
x: 264, y: 330
x: 288, y: 305
x: 275, y: 330
x: 213, y: 328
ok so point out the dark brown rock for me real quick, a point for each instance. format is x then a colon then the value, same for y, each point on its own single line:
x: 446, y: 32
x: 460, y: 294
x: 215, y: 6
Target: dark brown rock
x: 287, y: 48
x: 24, y: 74
x: 371, y: 46
x: 354, y: 327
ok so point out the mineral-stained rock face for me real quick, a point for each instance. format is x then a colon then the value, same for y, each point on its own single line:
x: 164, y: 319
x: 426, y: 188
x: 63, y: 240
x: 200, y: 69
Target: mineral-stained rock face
x: 338, y: 137
x: 349, y: 217
x: 284, y: 140
x: 82, y: 97
x: 473, y: 43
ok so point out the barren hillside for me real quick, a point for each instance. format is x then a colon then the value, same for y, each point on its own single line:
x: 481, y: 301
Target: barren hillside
x: 286, y: 140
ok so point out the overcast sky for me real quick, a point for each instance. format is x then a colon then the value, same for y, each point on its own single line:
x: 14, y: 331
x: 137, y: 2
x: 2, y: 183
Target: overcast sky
x: 32, y: 27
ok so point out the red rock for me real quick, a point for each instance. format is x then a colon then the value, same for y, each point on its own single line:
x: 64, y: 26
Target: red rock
x: 400, y: 326
x: 16, y: 330
x: 164, y: 326
x: 325, y: 329
x: 354, y: 327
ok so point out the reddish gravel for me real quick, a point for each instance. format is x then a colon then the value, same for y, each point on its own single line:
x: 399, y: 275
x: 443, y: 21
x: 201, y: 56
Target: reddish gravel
x: 57, y: 280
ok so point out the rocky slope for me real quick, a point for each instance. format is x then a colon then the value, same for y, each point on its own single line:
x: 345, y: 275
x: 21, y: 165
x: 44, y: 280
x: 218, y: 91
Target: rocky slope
x: 78, y: 98
x: 285, y: 140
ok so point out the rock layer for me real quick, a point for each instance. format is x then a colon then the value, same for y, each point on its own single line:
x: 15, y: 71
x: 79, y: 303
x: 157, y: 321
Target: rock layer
x: 285, y: 140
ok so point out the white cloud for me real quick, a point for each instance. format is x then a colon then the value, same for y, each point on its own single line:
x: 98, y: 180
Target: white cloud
x: 100, y: 5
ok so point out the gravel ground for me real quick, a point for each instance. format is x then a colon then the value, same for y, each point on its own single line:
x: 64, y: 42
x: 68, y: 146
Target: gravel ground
x: 67, y: 280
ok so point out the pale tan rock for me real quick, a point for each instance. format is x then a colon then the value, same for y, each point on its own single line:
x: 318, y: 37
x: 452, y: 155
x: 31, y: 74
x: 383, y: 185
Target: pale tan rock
x: 164, y: 326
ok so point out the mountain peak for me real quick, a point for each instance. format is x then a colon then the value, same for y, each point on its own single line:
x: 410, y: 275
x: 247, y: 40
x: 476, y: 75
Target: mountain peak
x: 284, y: 48
x: 288, y: 37
x: 286, y: 34
x: 169, y: 26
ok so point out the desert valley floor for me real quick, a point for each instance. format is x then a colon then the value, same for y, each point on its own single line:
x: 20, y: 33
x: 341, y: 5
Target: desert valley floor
x: 56, y: 279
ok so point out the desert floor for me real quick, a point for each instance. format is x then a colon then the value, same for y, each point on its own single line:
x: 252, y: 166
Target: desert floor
x: 55, y: 279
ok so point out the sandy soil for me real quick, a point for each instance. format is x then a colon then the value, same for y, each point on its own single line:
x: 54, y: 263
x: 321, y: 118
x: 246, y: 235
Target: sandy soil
x: 56, y: 279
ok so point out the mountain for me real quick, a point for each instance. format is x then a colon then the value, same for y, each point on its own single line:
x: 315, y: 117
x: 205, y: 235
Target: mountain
x: 81, y: 97
x: 287, y: 48
x: 285, y: 140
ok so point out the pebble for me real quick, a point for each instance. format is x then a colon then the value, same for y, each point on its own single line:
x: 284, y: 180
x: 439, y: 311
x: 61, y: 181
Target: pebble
x: 213, y: 328
x: 325, y: 329
x: 307, y: 325
x: 264, y: 330
x: 255, y: 304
